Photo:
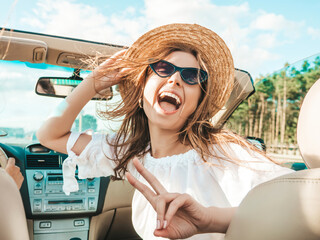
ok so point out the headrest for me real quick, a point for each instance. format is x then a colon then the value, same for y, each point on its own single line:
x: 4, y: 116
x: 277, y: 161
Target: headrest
x: 285, y: 208
x: 308, y: 130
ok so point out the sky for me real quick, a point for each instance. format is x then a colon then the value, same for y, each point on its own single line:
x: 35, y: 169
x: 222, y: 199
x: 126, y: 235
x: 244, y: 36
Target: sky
x: 262, y: 35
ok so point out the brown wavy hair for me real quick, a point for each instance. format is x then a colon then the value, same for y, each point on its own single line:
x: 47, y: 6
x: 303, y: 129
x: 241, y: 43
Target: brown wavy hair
x: 133, y: 139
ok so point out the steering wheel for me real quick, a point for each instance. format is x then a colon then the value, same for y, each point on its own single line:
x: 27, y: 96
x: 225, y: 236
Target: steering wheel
x: 3, y: 158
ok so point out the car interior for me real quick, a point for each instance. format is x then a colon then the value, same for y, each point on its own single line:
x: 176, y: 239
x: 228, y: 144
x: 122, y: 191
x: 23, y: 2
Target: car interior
x: 101, y: 209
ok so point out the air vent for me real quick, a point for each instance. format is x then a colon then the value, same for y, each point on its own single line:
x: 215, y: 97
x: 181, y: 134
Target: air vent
x: 43, y: 161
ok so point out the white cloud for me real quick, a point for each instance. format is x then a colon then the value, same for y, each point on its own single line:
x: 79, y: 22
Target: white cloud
x: 5, y: 75
x: 32, y: 107
x: 12, y: 78
x: 70, y: 19
x: 202, y: 12
x: 314, y: 32
x: 276, y: 23
x: 267, y: 40
x: 238, y: 25
x: 254, y: 59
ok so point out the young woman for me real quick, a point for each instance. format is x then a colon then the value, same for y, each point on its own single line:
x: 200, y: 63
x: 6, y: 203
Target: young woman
x: 172, y: 80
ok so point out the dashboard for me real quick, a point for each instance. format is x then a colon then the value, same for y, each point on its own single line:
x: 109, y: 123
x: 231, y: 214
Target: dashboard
x: 53, y: 212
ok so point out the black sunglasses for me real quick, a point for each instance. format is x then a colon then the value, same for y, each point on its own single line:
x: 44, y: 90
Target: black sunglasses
x: 190, y: 76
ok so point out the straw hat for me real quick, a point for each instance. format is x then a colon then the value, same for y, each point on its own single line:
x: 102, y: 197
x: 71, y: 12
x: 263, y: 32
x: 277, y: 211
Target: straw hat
x: 212, y: 49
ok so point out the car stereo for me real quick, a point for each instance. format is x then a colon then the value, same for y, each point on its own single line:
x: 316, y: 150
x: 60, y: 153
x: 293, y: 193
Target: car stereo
x: 47, y: 197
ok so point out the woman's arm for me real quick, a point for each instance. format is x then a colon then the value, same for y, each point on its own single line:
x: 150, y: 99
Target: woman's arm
x: 179, y: 215
x: 55, y: 131
x: 220, y: 219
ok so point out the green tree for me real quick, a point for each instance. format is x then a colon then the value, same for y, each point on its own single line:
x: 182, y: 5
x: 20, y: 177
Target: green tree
x: 272, y: 112
x: 305, y: 66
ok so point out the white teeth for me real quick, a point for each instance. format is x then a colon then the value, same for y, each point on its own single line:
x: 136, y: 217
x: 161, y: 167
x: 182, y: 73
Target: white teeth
x: 170, y: 95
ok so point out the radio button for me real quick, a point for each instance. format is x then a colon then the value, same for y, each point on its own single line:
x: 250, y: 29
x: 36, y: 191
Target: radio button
x: 37, y: 192
x: 38, y: 176
x: 91, y: 203
x: 45, y: 224
x: 78, y: 223
x: 38, y: 185
x: 37, y: 205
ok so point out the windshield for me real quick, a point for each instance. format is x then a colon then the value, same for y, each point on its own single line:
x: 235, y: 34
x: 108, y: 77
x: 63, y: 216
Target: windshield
x: 22, y: 111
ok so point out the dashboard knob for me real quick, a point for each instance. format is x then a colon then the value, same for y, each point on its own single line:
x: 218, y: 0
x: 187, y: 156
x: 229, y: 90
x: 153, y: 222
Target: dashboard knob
x: 38, y: 176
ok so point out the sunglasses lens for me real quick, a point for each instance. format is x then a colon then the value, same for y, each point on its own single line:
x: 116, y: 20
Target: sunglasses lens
x: 163, y: 69
x: 193, y: 76
x: 190, y: 76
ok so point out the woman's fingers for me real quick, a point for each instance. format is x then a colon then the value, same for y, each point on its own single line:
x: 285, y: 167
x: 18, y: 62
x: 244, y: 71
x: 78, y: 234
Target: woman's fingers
x: 145, y: 190
x: 113, y: 58
x: 103, y: 76
x: 162, y: 233
x: 14, y: 172
x: 11, y: 161
x: 160, y: 209
x: 152, y: 180
x: 158, y: 202
x: 162, y: 202
x: 174, y: 206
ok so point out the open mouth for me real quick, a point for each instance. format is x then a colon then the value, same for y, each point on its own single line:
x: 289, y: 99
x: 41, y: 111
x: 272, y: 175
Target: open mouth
x: 169, y: 102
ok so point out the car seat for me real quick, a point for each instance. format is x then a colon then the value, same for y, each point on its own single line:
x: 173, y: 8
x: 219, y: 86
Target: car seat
x: 287, y: 207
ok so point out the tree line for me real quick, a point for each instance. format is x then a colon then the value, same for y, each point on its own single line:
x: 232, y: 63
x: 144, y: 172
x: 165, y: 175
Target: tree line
x: 272, y: 112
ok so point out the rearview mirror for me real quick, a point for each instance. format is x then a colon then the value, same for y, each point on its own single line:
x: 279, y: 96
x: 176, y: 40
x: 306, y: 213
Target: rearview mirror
x: 61, y: 87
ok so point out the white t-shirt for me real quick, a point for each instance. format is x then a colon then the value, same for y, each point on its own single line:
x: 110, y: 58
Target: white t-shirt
x: 215, y: 183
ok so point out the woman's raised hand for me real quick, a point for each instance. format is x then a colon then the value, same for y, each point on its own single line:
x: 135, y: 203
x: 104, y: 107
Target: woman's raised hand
x: 178, y: 215
x: 102, y: 77
x: 55, y: 131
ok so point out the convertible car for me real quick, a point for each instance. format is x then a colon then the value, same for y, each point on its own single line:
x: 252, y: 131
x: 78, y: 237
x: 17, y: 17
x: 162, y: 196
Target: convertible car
x: 36, y: 71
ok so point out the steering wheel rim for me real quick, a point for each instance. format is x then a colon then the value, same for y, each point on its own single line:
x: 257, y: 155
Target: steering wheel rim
x: 3, y: 158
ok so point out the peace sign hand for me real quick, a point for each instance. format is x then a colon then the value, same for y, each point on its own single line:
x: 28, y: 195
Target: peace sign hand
x: 178, y: 215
